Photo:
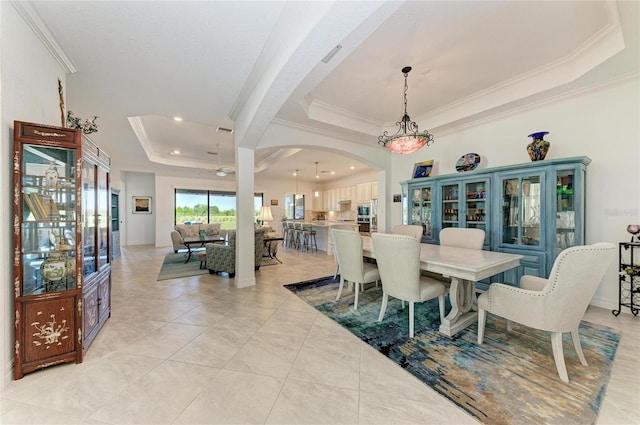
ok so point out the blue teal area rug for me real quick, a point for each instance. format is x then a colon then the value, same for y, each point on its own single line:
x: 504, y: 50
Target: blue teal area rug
x: 510, y: 379
x: 174, y: 267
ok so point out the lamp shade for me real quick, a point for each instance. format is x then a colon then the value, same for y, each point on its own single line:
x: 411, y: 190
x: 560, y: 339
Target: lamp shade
x: 265, y: 214
x: 406, y: 144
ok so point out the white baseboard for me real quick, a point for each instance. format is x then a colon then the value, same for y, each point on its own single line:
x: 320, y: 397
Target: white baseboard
x: 606, y: 303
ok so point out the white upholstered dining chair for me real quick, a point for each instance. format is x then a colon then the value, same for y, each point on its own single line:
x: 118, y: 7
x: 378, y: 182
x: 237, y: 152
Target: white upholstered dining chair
x: 458, y: 237
x: 335, y: 257
x: 461, y: 237
x: 398, y: 258
x: 556, y: 304
x: 409, y: 230
x: 353, y: 269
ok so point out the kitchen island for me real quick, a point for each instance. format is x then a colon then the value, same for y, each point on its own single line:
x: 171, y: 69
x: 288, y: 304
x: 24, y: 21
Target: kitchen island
x: 323, y: 235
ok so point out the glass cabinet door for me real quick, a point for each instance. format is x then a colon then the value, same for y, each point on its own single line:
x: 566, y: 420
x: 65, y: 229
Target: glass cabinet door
x: 48, y: 230
x: 405, y: 203
x: 565, y: 211
x: 102, y: 217
x: 89, y: 216
x: 450, y: 205
x: 476, y: 205
x: 421, y: 211
x: 521, y: 207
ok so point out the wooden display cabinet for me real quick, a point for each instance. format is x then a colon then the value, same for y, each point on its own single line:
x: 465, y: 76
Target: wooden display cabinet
x: 49, y: 250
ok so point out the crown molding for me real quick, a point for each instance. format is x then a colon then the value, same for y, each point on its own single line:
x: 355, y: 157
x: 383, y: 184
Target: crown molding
x: 31, y: 18
x: 462, y: 125
x: 594, y: 51
x: 319, y: 131
x: 330, y: 114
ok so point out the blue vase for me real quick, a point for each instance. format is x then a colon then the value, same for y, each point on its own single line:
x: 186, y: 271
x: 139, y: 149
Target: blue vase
x: 539, y: 147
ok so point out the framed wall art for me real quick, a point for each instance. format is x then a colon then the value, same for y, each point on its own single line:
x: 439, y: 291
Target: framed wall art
x: 422, y: 169
x: 141, y: 205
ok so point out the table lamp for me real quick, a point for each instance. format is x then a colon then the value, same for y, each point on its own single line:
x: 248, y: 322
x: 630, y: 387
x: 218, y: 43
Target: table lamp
x: 265, y: 215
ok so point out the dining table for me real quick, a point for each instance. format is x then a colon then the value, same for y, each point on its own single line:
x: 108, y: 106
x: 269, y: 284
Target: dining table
x: 464, y: 267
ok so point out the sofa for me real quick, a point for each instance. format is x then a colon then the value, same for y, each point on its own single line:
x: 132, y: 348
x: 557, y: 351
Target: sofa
x: 222, y: 258
x: 188, y: 230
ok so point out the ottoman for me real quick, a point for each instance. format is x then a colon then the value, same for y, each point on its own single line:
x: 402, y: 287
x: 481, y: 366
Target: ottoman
x: 202, y: 257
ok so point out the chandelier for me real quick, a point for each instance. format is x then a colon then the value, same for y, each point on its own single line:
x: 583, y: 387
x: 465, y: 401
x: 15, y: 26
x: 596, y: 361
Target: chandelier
x: 407, y: 139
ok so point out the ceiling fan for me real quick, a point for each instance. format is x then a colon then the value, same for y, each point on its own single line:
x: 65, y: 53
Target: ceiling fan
x: 223, y: 171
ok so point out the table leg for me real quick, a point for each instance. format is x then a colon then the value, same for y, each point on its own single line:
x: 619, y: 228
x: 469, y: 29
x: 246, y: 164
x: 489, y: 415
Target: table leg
x: 273, y: 254
x: 462, y: 297
x: 188, y: 254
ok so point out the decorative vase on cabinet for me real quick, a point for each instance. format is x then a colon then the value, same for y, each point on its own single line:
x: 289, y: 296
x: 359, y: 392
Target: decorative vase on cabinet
x: 539, y: 147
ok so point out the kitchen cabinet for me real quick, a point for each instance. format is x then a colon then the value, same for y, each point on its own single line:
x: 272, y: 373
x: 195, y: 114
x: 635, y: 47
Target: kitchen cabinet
x: 534, y: 209
x: 363, y: 191
x: 318, y: 202
x: 331, y: 200
x: 53, y: 295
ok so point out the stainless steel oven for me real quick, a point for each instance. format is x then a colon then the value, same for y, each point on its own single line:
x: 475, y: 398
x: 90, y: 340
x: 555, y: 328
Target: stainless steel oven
x: 363, y: 210
x: 364, y: 224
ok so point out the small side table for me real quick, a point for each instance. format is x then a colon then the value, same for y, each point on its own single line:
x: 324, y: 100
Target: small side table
x: 270, y: 243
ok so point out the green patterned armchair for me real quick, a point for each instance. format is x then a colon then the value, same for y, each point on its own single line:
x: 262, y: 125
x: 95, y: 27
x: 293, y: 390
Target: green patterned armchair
x: 222, y: 258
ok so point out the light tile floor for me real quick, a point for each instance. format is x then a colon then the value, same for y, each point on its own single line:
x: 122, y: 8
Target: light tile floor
x: 199, y: 351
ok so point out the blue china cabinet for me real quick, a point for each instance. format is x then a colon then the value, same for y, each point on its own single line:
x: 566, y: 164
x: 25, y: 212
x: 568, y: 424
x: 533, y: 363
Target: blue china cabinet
x: 535, y: 209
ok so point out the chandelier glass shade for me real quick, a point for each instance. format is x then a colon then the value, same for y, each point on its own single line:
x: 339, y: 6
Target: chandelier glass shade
x: 408, y: 138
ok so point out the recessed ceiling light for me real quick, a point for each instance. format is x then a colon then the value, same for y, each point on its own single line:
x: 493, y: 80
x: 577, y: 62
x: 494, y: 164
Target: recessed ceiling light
x: 295, y: 174
x: 352, y: 167
x: 174, y: 152
x: 177, y: 118
x: 333, y: 172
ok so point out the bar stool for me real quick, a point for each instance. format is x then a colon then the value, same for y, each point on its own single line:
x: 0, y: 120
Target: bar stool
x: 291, y: 234
x: 297, y: 235
x: 284, y: 232
x: 309, y: 237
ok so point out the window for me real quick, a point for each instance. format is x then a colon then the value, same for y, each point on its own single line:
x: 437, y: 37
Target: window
x: 294, y: 206
x: 208, y: 206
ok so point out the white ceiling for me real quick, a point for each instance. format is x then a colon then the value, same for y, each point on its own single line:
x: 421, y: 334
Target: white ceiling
x: 139, y: 64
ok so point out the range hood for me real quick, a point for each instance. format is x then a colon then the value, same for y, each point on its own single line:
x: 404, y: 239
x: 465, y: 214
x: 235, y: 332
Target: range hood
x: 344, y: 206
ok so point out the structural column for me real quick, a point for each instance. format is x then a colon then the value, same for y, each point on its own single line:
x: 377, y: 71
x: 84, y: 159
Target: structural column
x: 245, y: 250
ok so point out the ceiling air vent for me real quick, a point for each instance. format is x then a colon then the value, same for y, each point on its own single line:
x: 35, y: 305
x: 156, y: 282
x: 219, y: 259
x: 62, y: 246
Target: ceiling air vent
x: 224, y: 130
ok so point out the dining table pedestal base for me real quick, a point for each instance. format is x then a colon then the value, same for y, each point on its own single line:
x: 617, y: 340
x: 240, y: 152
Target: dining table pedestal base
x: 463, y: 307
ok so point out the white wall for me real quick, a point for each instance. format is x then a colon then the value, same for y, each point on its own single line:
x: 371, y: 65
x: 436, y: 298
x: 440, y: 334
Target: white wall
x: 602, y: 124
x: 29, y: 87
x: 140, y: 228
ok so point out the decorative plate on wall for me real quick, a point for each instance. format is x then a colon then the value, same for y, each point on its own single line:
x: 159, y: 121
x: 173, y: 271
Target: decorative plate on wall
x: 468, y: 162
